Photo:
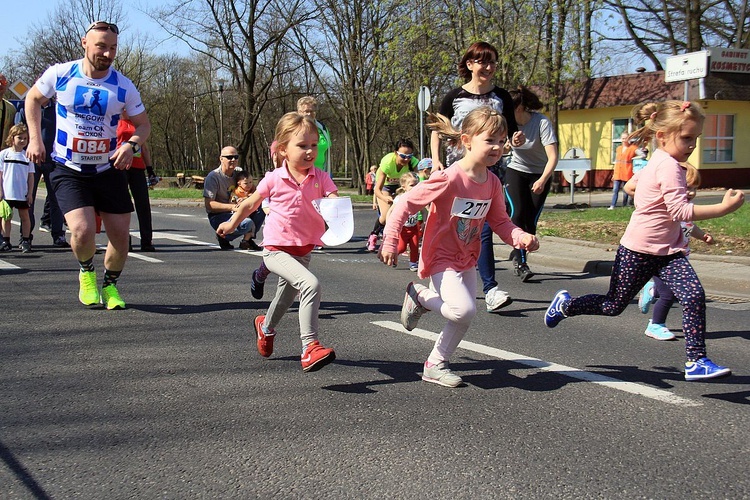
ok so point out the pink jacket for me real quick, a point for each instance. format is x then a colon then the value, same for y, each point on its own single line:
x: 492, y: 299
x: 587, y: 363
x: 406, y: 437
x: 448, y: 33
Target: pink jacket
x: 661, y: 203
x: 293, y: 221
x: 454, y: 225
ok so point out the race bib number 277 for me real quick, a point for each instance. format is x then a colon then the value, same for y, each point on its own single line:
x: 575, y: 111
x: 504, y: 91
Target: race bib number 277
x: 467, y: 208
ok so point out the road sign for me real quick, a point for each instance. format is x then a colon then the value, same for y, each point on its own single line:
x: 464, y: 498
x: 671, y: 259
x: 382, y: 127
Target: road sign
x: 20, y: 89
x: 686, y: 66
x: 423, y: 100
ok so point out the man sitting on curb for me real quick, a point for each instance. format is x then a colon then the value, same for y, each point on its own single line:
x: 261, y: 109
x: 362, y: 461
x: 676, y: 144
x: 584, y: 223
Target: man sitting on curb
x: 217, y: 193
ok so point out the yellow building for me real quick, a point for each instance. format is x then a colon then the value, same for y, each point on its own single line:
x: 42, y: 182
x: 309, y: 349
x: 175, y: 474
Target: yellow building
x: 594, y: 113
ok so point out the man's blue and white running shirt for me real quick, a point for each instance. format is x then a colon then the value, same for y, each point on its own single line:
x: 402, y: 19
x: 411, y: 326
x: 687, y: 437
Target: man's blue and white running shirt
x: 87, y: 114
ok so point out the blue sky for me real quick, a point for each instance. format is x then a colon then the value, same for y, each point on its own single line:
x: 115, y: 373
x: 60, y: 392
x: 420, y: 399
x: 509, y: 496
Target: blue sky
x: 15, y: 26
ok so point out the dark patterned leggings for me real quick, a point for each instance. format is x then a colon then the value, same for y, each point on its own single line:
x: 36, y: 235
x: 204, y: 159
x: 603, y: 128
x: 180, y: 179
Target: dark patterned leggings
x: 631, y: 271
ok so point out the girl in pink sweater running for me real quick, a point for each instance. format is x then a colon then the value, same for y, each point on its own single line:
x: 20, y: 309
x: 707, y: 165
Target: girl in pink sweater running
x: 292, y: 230
x: 653, y: 241
x: 462, y: 198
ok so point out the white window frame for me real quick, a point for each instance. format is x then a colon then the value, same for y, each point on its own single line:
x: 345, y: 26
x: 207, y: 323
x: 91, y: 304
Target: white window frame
x: 616, y: 142
x: 706, y: 137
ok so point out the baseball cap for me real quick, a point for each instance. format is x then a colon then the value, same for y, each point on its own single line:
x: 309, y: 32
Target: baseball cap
x: 424, y: 164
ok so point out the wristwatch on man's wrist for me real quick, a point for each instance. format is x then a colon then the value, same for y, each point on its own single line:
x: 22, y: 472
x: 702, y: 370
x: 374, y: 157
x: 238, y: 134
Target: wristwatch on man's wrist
x: 136, y: 147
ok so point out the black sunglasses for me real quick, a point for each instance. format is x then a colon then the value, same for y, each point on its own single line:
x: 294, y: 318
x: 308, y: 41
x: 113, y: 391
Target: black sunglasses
x: 231, y: 157
x: 104, y: 26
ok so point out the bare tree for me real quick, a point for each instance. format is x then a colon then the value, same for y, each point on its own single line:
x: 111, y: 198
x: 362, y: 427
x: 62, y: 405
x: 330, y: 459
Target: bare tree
x: 244, y: 39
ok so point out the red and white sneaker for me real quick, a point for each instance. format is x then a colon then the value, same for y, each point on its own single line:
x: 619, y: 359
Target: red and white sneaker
x: 315, y: 356
x: 265, y: 340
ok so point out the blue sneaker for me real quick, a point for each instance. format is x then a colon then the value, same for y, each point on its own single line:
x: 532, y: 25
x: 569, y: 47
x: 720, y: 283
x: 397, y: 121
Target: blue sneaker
x: 555, y: 312
x: 647, y: 297
x: 658, y: 331
x: 703, y: 369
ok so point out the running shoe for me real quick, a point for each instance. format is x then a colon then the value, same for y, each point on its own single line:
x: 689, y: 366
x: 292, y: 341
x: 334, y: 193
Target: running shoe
x: 556, y: 310
x: 5, y: 247
x: 524, y: 272
x: 224, y: 243
x: 372, y: 242
x: 412, y: 310
x: 440, y: 374
x: 495, y: 299
x: 257, y: 287
x: 658, y: 331
x: 88, y: 293
x: 413, y: 266
x: 60, y: 242
x: 147, y: 247
x: 111, y: 298
x: 45, y: 227
x: 265, y: 340
x: 25, y: 246
x: 704, y: 369
x: 647, y: 297
x: 315, y: 356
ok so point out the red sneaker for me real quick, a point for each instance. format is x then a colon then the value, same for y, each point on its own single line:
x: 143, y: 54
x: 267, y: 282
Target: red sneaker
x: 315, y: 356
x: 265, y: 340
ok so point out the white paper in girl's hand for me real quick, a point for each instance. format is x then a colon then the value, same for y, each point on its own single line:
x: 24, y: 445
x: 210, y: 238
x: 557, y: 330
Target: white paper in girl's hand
x: 339, y: 217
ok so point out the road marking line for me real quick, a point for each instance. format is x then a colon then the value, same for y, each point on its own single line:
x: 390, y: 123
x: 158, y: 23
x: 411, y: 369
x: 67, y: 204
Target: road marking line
x: 7, y: 265
x: 596, y: 378
x: 191, y: 240
x: 181, y: 215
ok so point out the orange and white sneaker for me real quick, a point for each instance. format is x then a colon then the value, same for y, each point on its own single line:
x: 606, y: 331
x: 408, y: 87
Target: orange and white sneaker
x: 315, y: 356
x: 265, y: 340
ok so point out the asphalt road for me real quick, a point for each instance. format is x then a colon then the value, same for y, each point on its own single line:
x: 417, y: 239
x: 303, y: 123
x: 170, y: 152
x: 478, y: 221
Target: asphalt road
x: 169, y: 398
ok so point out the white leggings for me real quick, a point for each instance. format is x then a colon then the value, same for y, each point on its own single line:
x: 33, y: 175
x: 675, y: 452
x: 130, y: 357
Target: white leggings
x: 452, y: 294
x: 294, y: 276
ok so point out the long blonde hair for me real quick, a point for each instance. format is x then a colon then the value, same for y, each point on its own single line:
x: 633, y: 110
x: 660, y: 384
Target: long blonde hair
x: 667, y: 117
x: 289, y: 124
x: 481, y: 119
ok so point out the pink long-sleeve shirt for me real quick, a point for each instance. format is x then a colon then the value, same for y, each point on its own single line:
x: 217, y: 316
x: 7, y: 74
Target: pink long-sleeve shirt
x: 459, y: 208
x: 293, y: 220
x: 661, y: 203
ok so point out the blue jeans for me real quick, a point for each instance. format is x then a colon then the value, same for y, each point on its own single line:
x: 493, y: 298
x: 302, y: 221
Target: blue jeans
x: 486, y: 261
x: 616, y: 191
x: 246, y: 226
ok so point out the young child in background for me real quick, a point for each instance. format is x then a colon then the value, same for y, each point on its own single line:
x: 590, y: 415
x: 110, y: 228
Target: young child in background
x: 655, y: 291
x: 653, y: 241
x: 293, y: 230
x: 639, y: 161
x: 424, y: 168
x: 410, y: 232
x: 462, y: 198
x: 16, y: 180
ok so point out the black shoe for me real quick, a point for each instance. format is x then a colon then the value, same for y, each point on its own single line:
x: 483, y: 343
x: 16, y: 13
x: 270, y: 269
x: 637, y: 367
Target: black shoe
x: 44, y: 226
x: 25, y: 246
x: 147, y: 247
x: 60, y: 242
x: 5, y: 247
x: 524, y: 272
x: 224, y: 243
x: 254, y: 246
x: 257, y: 287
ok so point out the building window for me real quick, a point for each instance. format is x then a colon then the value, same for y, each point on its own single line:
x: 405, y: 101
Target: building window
x: 619, y: 126
x: 718, y: 139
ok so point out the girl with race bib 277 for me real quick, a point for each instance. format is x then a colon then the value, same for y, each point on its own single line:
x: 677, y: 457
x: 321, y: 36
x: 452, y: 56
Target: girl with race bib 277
x: 461, y: 198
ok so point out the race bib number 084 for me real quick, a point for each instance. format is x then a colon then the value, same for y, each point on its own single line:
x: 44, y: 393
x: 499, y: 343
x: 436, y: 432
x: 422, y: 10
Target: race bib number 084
x: 90, y: 150
x: 470, y: 209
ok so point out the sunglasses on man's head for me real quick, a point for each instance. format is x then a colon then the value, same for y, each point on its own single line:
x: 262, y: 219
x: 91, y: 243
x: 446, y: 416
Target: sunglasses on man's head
x: 404, y: 157
x: 104, y: 26
x: 231, y: 157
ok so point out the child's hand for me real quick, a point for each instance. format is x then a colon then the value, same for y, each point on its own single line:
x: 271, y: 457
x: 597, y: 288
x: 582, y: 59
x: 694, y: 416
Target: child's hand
x: 388, y: 258
x: 529, y: 242
x: 225, y: 228
x: 733, y: 199
x: 708, y: 239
